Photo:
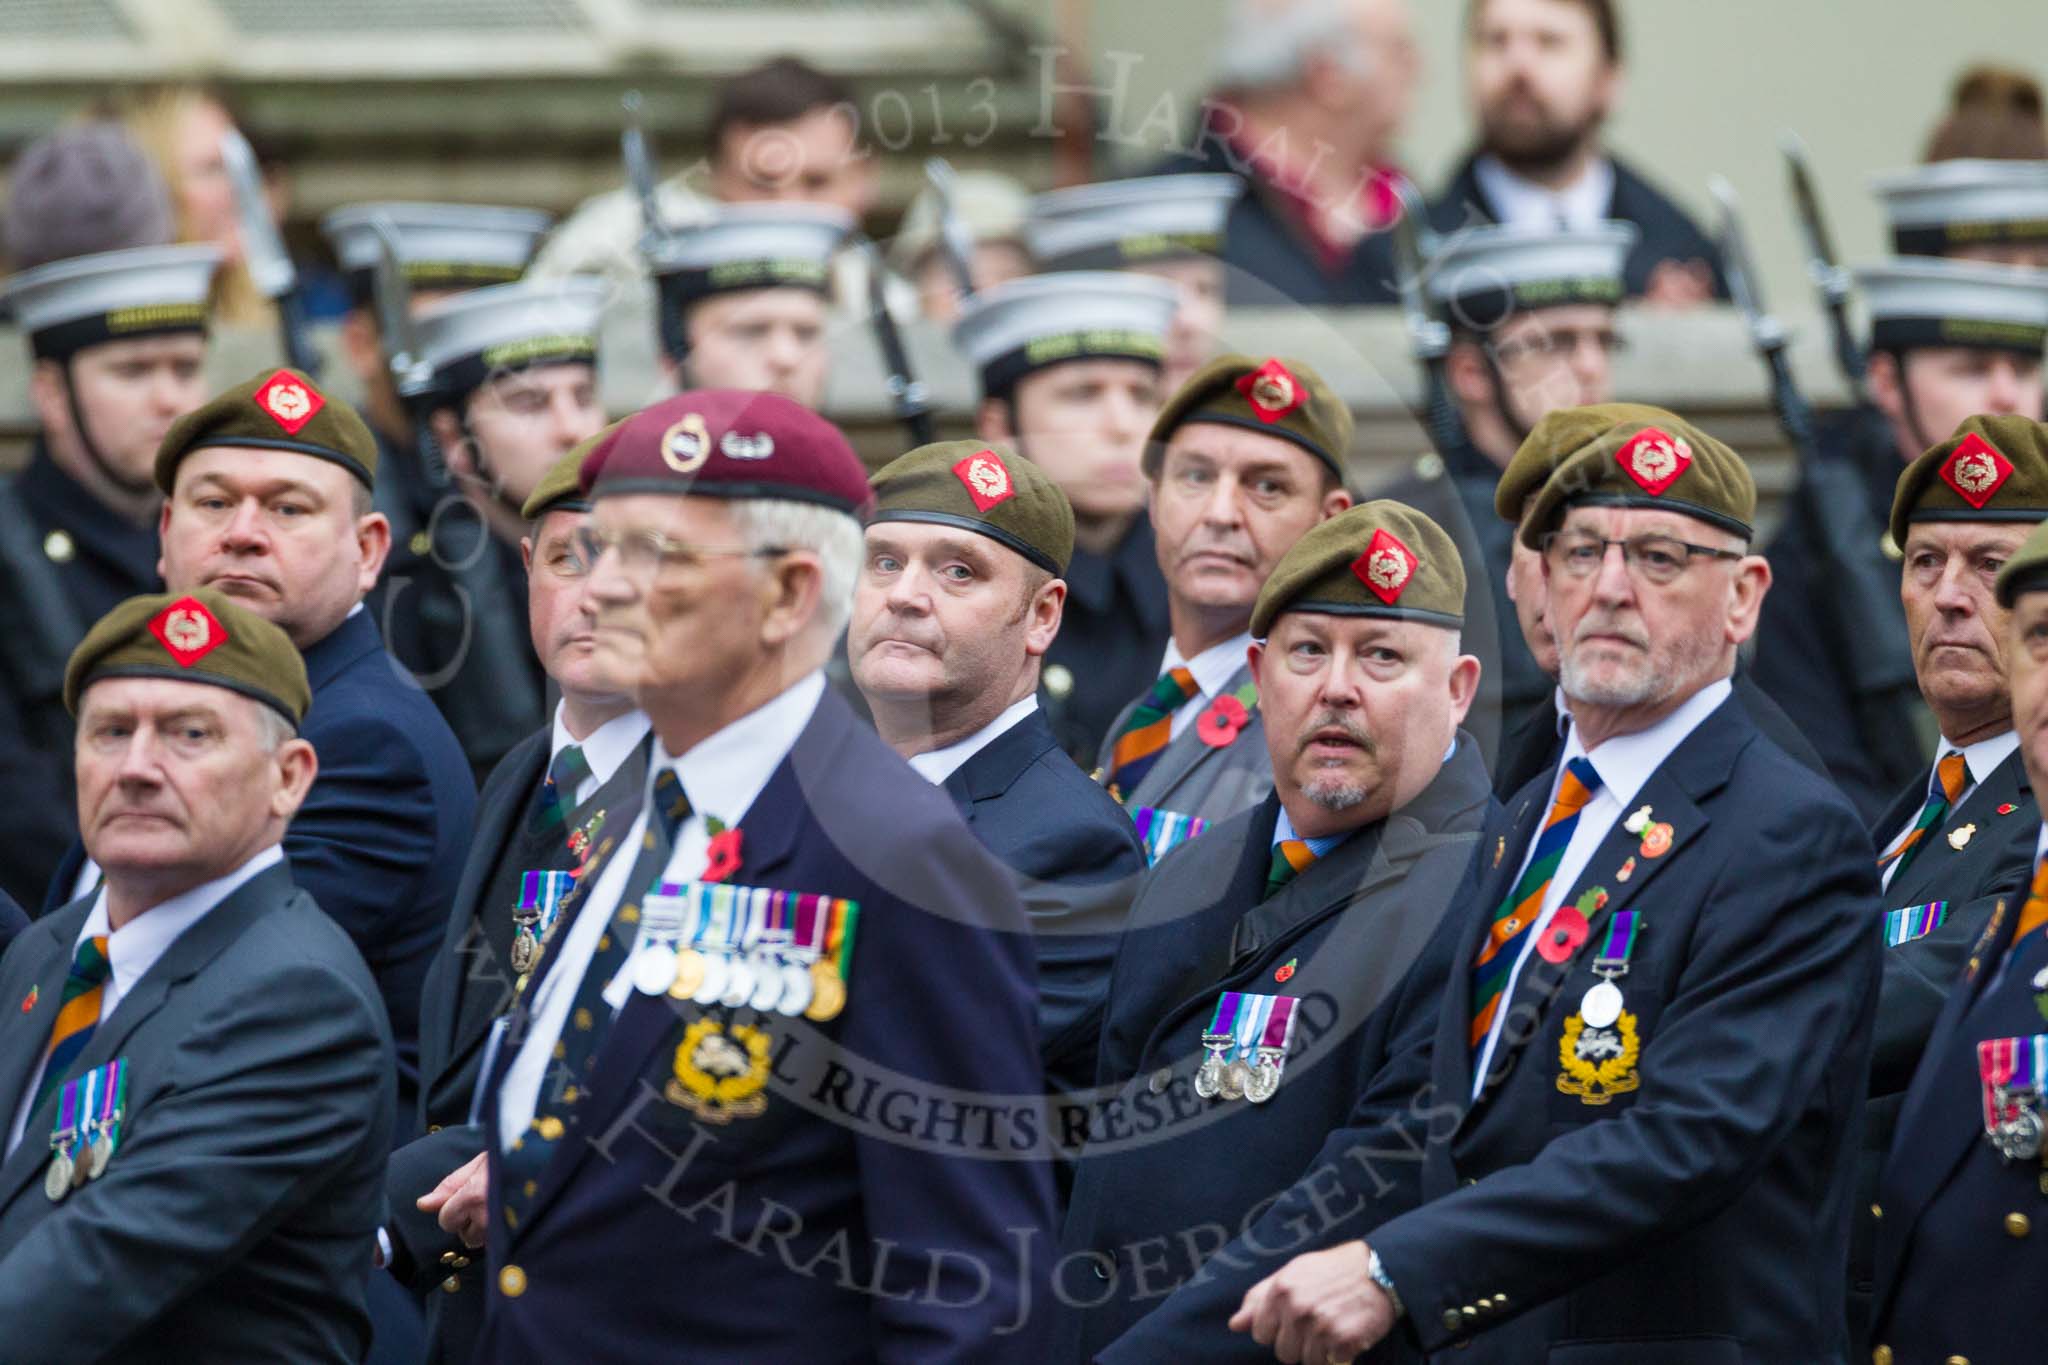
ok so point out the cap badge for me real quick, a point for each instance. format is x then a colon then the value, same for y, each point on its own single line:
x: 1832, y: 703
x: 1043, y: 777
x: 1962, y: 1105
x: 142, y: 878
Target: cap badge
x: 1976, y: 470
x: 1271, y: 390
x: 686, y: 445
x: 188, y: 631
x: 986, y: 478
x: 734, y: 446
x: 1385, y: 567
x: 1654, y: 458
x: 290, y: 401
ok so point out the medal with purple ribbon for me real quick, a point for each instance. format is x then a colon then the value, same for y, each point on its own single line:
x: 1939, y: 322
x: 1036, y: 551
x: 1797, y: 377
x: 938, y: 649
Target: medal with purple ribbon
x: 1602, y: 1003
x: 1218, y: 1038
x: 1273, y: 1044
x: 2011, y: 1070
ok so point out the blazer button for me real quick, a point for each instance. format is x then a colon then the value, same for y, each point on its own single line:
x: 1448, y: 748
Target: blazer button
x: 1161, y: 1078
x: 451, y: 1284
x: 1882, y: 1355
x: 433, y: 1128
x: 1877, y: 1210
x: 511, y: 1282
x: 1957, y: 1360
x: 2016, y: 1225
x: 1453, y: 1319
x: 1101, y: 1265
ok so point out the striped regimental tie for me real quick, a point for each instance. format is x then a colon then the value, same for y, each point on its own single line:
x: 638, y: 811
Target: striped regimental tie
x: 1523, y: 905
x: 84, y: 989
x: 2034, y: 913
x: 1145, y: 734
x: 1944, y: 789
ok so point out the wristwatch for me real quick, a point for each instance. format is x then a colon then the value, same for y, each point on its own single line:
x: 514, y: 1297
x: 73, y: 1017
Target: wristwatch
x: 1377, y: 1273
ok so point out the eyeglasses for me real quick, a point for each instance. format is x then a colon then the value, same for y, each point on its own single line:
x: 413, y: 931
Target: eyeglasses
x: 1558, y: 343
x: 1652, y: 558
x: 642, y: 553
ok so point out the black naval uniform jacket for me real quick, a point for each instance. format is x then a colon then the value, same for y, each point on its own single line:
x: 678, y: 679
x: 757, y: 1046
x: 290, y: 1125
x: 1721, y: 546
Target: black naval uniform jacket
x: 761, y: 1238
x: 1664, y: 231
x: 1960, y: 1254
x: 1168, y: 1176
x: 469, y: 984
x: 235, y: 1219
x: 1699, y: 1219
x: 1113, y: 634
x: 1077, y: 860
x: 1994, y: 864
x: 65, y: 561
x: 1872, y: 731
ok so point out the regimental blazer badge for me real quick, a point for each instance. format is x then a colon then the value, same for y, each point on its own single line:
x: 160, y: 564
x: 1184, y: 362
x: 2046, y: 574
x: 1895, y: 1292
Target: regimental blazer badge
x: 719, y: 1075
x: 1598, y: 1063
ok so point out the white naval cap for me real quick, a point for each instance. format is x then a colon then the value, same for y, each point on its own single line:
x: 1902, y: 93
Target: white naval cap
x: 749, y: 246
x: 1944, y: 206
x: 68, y: 305
x: 1120, y: 223
x: 1028, y: 324
x: 469, y: 337
x: 1481, y: 276
x: 1923, y: 301
x: 439, y: 246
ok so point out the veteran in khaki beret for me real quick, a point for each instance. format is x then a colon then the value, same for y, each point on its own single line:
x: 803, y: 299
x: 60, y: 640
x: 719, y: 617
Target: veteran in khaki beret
x: 960, y: 595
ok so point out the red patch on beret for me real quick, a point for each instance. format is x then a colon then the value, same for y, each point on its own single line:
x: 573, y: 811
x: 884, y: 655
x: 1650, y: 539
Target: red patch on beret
x: 1272, y: 391
x: 987, y: 479
x: 188, y: 631
x: 1654, y: 459
x: 1385, y: 567
x: 1975, y: 470
x: 290, y: 401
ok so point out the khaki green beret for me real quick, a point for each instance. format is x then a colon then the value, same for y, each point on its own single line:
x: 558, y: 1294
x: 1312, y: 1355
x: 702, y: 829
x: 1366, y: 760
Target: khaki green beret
x: 198, y: 636
x: 1626, y: 455
x: 1377, y: 559
x: 561, y: 488
x: 1274, y: 397
x: 976, y: 487
x: 1991, y: 469
x: 282, y: 410
x: 2027, y: 570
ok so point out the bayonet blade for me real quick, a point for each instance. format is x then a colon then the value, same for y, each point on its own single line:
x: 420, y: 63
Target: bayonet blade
x: 956, y: 243
x: 270, y: 266
x: 1740, y: 268
x: 392, y: 295
x: 639, y: 159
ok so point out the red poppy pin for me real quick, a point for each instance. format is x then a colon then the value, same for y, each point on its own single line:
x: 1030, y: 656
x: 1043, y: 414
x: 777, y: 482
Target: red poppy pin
x: 2007, y: 808
x: 1562, y: 936
x: 1286, y: 972
x: 28, y: 1002
x: 722, y: 858
x: 1218, y: 726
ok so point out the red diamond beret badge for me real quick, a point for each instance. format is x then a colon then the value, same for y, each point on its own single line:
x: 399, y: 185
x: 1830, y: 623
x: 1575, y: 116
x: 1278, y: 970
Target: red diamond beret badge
x: 188, y: 631
x: 1385, y: 567
x: 986, y: 478
x: 1975, y: 470
x: 290, y: 401
x: 1272, y: 391
x: 1654, y: 458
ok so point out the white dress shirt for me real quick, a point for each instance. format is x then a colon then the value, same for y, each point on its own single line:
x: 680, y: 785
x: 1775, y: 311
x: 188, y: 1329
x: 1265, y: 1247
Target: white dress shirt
x: 722, y: 775
x: 1980, y: 760
x: 1524, y: 203
x: 938, y: 765
x: 1624, y: 763
x: 1213, y: 668
x: 135, y: 947
x: 604, y: 749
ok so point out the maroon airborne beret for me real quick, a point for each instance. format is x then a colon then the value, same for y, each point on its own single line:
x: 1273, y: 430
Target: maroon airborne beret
x: 730, y: 443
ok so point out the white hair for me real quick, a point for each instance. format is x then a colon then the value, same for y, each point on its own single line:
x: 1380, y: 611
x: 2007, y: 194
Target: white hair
x: 835, y: 537
x: 275, y: 730
x: 1267, y: 43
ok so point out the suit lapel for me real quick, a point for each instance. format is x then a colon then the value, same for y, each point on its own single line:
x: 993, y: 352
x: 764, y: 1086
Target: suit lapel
x: 989, y: 773
x: 1938, y: 860
x: 48, y: 944
x: 1503, y: 853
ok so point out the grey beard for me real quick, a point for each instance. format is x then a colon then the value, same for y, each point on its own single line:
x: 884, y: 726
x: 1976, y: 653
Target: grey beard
x: 1333, y: 797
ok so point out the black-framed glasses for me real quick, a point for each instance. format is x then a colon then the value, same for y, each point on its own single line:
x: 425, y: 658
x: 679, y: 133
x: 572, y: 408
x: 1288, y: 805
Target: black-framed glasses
x: 1652, y: 558
x: 642, y: 553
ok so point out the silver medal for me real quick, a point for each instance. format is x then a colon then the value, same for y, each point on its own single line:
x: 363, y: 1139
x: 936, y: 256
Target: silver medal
x: 716, y: 965
x: 796, y: 989
x: 767, y: 983
x: 1209, y: 1078
x: 57, y: 1180
x: 654, y: 969
x: 1263, y: 1081
x: 2019, y: 1137
x: 1601, y: 1005
x: 739, y: 983
x: 1235, y: 1077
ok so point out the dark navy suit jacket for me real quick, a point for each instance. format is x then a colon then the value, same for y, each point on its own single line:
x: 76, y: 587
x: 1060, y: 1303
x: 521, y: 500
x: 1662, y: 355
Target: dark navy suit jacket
x: 380, y: 840
x: 1699, y: 1219
x: 870, y: 1212
x: 1956, y: 1274
x: 12, y: 920
x: 1077, y: 859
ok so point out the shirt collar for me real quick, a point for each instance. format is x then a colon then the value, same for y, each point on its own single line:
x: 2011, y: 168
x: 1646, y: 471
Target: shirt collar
x: 938, y: 765
x: 1982, y: 758
x: 1283, y: 830
x: 2041, y: 844
x: 1626, y: 761
x: 723, y: 773
x: 1519, y: 202
x: 604, y: 748
x: 1214, y: 667
x: 135, y: 947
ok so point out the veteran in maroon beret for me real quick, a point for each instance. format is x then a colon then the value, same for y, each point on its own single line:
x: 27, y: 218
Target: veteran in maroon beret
x: 772, y: 1089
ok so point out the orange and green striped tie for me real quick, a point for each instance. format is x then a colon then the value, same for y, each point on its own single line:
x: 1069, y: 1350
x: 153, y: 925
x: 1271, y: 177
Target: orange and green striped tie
x: 2034, y: 913
x: 1951, y: 775
x: 1524, y: 904
x: 79, y: 1015
x: 1290, y: 856
x: 1146, y: 733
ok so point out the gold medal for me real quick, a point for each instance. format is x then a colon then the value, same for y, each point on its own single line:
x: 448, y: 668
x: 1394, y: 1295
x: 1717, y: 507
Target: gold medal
x: 689, y: 974
x: 828, y: 994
